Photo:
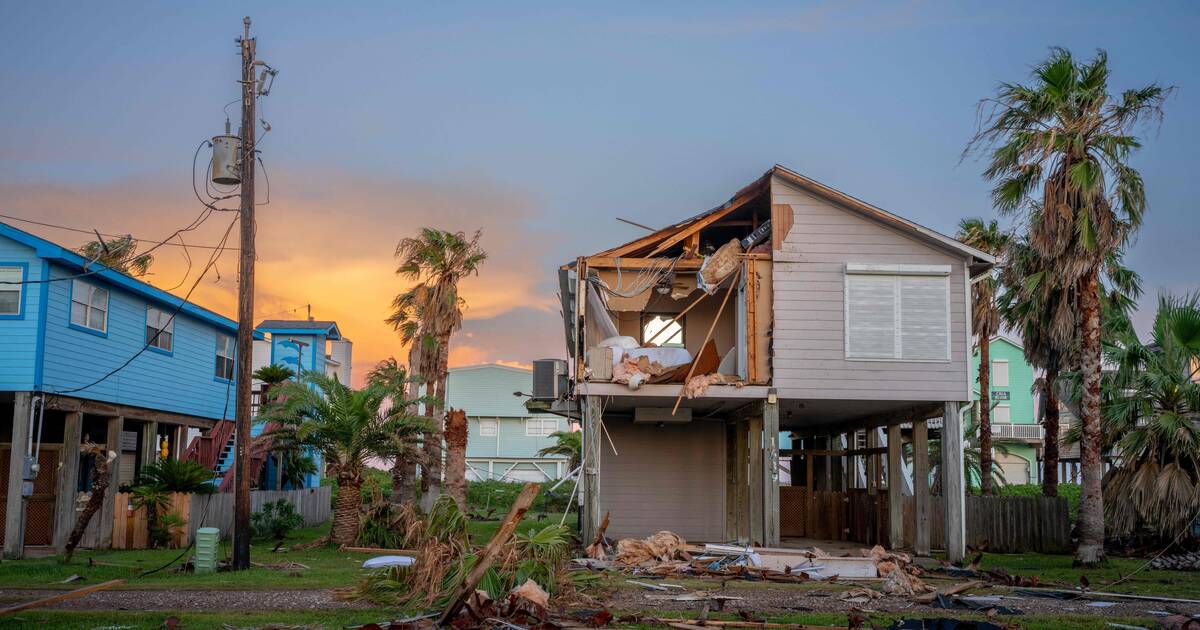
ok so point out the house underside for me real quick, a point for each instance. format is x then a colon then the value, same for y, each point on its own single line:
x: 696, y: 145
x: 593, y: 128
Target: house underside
x: 791, y: 309
x: 55, y: 491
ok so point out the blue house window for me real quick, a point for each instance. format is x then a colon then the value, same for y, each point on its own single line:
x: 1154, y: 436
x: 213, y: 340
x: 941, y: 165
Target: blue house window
x: 160, y: 329
x: 225, y: 364
x: 89, y: 306
x: 10, y: 294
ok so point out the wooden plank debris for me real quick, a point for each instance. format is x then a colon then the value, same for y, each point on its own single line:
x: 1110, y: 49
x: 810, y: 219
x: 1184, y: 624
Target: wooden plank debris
x: 54, y: 599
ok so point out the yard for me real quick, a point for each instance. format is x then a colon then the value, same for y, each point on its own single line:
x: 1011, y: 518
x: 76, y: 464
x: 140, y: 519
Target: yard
x: 305, y: 597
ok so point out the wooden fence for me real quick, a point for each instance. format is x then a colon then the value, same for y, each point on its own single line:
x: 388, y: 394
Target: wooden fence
x: 1001, y: 524
x: 131, y: 530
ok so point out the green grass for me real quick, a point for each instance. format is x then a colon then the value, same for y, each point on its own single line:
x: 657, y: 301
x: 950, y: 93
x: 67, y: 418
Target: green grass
x: 883, y: 620
x: 328, y: 568
x: 63, y: 620
x: 1058, y: 569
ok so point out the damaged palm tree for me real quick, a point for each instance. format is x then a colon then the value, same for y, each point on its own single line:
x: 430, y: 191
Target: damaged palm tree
x: 456, y: 456
x: 427, y: 315
x: 100, y: 479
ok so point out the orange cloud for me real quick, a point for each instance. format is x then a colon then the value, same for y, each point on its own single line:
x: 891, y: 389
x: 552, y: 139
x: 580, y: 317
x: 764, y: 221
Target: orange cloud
x: 328, y: 240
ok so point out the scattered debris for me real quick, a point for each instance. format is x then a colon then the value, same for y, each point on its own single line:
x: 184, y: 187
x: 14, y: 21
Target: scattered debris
x: 943, y: 623
x: 54, y: 599
x: 860, y: 595
x: 381, y: 562
x: 596, y: 550
x: 75, y: 577
x: 660, y: 547
x: 1177, y: 562
x: 929, y: 598
x: 531, y: 592
x: 975, y: 604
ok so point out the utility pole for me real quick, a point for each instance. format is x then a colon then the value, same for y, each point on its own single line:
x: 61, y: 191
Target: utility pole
x: 245, y: 350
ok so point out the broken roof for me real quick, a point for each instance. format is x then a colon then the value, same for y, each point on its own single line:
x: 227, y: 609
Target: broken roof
x: 651, y: 242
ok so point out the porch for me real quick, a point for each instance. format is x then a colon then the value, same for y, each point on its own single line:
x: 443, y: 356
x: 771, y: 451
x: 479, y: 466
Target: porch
x: 42, y: 497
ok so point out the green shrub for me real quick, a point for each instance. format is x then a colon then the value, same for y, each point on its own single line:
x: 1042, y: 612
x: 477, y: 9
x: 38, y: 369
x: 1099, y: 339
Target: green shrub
x: 275, y: 521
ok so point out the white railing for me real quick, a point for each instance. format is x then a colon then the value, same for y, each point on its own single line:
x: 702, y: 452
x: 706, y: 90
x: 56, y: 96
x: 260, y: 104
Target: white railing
x: 1017, y: 431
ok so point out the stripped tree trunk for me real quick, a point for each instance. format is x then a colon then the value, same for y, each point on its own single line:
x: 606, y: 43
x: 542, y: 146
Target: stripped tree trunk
x: 96, y: 501
x: 985, y: 415
x: 456, y: 456
x: 1050, y: 419
x: 404, y: 469
x: 431, y: 482
x: 1091, y: 506
x: 345, y: 510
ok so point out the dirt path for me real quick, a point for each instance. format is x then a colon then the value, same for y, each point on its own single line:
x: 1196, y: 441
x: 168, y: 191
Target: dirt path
x: 184, y: 600
x: 782, y: 600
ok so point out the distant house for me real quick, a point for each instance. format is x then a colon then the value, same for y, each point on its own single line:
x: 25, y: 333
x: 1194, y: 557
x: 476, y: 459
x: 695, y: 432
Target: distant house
x: 1015, y: 428
x: 89, y: 353
x: 504, y: 437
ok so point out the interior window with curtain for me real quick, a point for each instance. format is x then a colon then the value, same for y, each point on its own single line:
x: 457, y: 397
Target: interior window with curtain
x: 10, y: 294
x: 89, y: 305
x: 160, y: 329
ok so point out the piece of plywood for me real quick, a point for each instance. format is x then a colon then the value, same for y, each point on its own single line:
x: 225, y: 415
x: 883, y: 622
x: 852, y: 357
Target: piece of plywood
x: 782, y: 219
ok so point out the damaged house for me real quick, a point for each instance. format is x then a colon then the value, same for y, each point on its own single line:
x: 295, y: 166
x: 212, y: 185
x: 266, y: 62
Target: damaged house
x: 793, y: 308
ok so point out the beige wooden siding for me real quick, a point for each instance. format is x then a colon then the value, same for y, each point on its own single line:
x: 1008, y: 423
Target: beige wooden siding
x: 809, y: 344
x: 669, y: 478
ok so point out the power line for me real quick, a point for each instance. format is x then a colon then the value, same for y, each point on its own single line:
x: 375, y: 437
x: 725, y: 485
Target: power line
x: 109, y: 235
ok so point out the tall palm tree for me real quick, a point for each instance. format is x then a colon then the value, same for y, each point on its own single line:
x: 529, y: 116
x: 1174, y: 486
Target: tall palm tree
x: 118, y: 253
x: 347, y: 427
x: 393, y: 376
x: 1062, y: 144
x: 985, y: 321
x: 1152, y: 402
x: 429, y: 313
x: 1026, y: 305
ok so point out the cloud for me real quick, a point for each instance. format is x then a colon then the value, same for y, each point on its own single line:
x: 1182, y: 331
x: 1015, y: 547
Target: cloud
x: 327, y: 239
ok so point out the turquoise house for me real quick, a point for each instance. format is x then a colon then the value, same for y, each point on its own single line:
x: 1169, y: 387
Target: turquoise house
x: 503, y: 436
x: 89, y: 353
x: 1015, y: 429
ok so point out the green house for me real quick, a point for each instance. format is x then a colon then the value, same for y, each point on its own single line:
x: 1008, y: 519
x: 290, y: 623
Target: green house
x: 1015, y: 429
x: 503, y: 436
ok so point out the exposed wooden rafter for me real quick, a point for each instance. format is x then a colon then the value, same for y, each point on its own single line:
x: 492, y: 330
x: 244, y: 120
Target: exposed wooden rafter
x: 695, y: 227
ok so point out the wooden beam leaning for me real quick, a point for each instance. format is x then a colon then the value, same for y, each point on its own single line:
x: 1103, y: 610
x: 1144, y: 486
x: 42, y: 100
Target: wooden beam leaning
x: 921, y: 487
x: 895, y: 488
x: 702, y: 223
x: 952, y: 482
x: 771, y: 470
x: 591, y: 466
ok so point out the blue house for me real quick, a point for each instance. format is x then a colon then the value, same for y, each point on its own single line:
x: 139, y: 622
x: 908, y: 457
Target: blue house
x: 90, y: 354
x: 503, y: 437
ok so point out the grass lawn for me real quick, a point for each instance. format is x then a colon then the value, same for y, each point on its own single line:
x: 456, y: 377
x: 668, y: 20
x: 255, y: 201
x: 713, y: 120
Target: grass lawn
x: 1058, y: 569
x: 328, y: 568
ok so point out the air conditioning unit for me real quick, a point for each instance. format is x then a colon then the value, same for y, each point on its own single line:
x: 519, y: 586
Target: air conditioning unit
x: 549, y: 379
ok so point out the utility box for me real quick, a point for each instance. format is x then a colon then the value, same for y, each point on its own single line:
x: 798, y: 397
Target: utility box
x: 225, y: 168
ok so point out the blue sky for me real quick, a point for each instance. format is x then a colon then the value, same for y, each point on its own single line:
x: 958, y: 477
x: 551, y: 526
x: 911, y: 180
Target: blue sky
x: 570, y: 114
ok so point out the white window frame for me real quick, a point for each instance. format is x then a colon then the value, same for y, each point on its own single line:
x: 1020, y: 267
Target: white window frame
x: 997, y: 382
x: 84, y: 294
x: 13, y: 273
x: 223, y: 339
x: 489, y: 427
x: 164, y: 326
x: 540, y: 424
x: 897, y: 273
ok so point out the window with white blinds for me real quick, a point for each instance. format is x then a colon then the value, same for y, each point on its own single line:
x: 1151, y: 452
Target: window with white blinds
x: 898, y: 312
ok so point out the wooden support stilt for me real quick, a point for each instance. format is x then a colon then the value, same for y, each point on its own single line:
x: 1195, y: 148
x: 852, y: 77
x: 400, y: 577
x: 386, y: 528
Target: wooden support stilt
x: 895, y: 487
x: 112, y: 442
x: 591, y: 466
x: 14, y: 515
x: 953, y: 486
x: 770, y: 466
x: 68, y: 479
x: 921, y: 487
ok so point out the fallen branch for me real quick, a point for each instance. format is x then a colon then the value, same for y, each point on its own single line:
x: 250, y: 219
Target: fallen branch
x: 54, y: 599
x: 929, y: 598
x: 100, y: 479
x: 491, y: 552
x: 380, y: 550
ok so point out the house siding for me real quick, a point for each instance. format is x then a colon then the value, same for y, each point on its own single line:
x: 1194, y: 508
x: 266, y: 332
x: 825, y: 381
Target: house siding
x: 181, y: 382
x: 809, y: 283
x: 19, y: 334
x: 664, y: 478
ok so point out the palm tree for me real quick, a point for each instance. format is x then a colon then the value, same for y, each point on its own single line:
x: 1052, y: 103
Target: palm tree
x: 985, y: 321
x: 348, y: 427
x: 118, y: 253
x: 1063, y: 144
x: 427, y: 314
x: 394, y: 377
x: 272, y: 375
x: 1026, y: 305
x: 1152, y: 401
x: 567, y: 444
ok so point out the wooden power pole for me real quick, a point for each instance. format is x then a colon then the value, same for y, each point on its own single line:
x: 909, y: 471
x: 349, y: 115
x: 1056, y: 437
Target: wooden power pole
x: 245, y: 332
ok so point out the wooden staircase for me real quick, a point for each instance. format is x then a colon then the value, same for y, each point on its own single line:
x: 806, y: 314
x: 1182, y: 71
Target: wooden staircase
x: 215, y: 451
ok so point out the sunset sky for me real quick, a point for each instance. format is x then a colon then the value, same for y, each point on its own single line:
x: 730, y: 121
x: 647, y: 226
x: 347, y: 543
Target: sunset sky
x: 538, y: 123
